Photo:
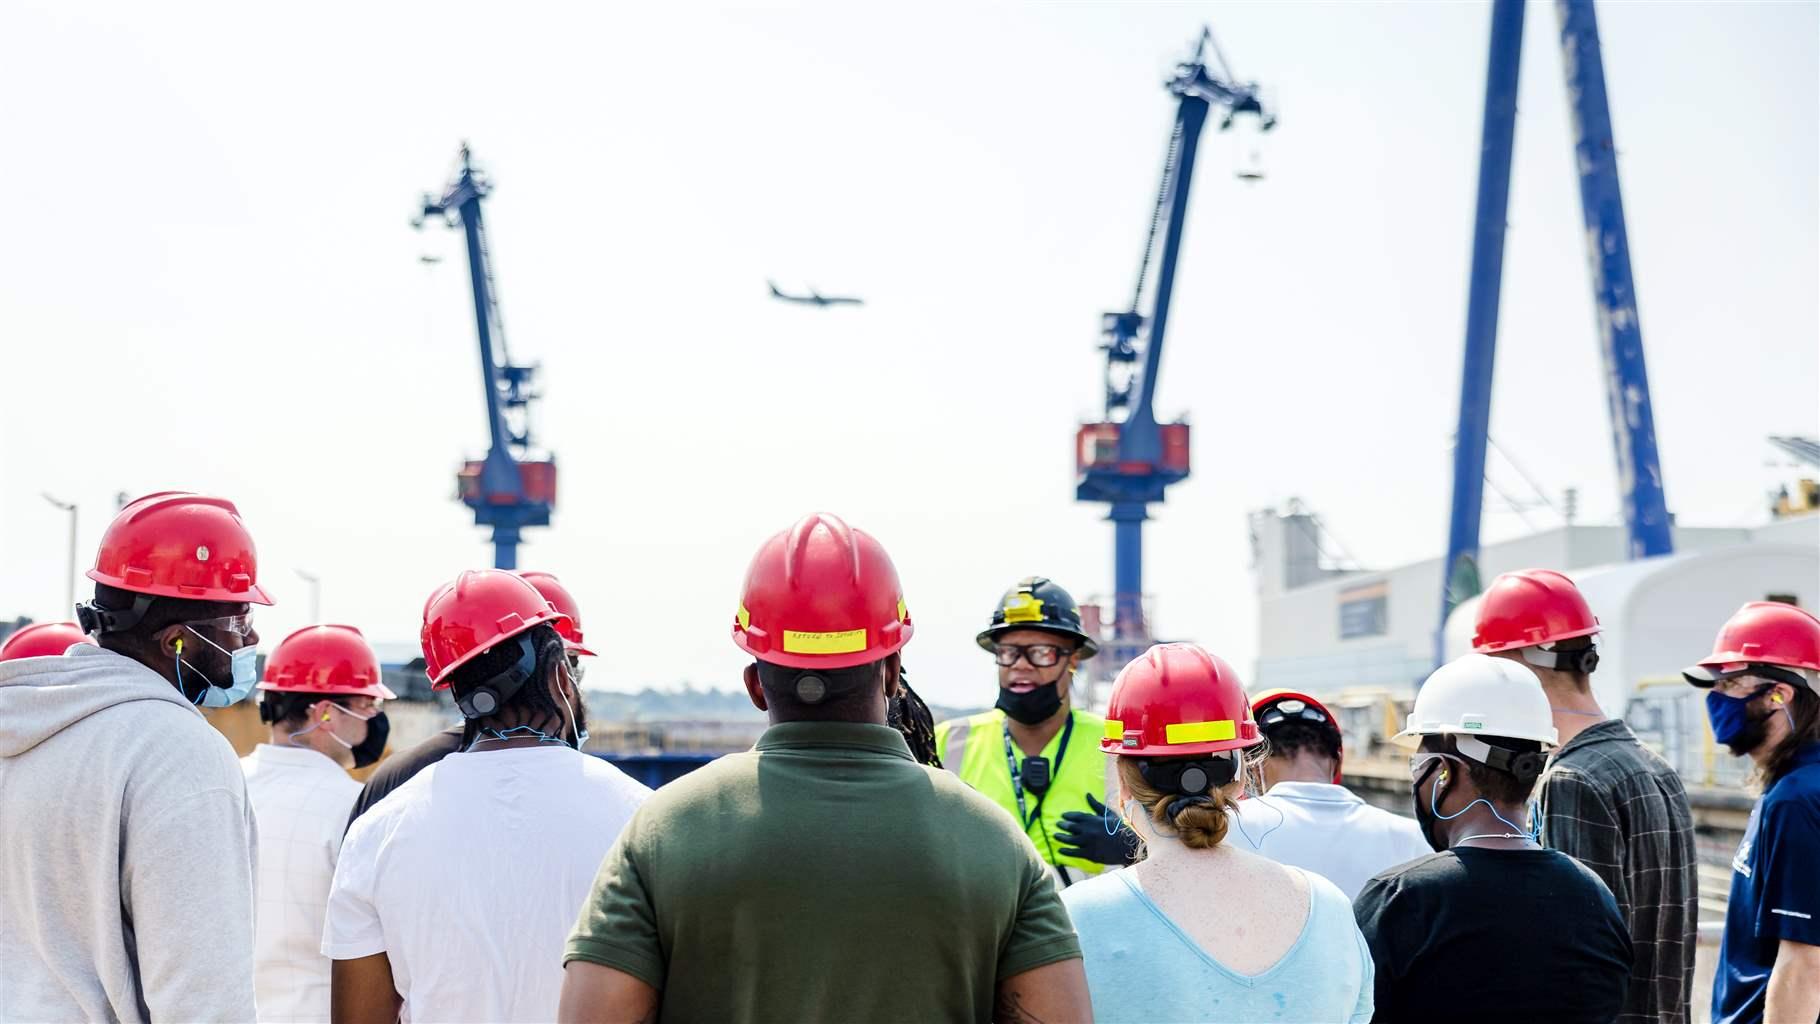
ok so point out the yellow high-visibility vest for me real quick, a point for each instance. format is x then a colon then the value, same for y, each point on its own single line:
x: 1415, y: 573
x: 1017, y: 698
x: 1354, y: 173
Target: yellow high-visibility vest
x: 973, y: 748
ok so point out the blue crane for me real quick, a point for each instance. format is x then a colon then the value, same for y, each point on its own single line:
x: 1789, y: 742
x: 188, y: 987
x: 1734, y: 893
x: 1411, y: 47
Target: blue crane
x: 1128, y: 460
x: 509, y: 489
x: 1645, y: 507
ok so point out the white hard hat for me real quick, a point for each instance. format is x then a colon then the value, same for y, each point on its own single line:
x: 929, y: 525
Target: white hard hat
x: 1479, y: 695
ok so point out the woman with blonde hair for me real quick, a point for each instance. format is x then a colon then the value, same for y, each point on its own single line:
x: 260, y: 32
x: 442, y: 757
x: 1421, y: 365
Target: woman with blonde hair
x: 1200, y: 930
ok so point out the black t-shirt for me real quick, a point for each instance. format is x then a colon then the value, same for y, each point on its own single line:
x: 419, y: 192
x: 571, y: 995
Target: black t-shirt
x: 1495, y: 935
x: 397, y: 770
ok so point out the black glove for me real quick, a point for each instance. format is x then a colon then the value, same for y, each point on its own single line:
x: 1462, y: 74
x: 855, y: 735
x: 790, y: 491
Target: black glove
x: 1084, y: 835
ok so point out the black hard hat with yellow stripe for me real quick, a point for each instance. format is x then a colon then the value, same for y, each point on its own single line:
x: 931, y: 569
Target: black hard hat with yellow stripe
x: 1036, y: 602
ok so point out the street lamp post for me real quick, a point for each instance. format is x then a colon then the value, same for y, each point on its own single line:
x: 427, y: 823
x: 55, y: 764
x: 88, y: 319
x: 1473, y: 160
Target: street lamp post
x: 69, y: 577
x: 315, y: 583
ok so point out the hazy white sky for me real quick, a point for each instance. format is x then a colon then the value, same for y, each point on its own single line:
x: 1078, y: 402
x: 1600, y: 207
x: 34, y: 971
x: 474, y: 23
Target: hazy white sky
x: 208, y: 282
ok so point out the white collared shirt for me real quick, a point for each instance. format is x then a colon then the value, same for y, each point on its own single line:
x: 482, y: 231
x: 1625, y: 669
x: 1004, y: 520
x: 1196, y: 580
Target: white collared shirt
x: 302, y: 800
x: 1326, y: 829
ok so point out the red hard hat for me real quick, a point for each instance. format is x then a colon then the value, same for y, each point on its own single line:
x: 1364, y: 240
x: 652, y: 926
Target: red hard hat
x: 44, y: 640
x: 560, y: 599
x: 330, y: 660
x: 1176, y: 700
x: 1762, y: 633
x: 178, y: 544
x: 464, y: 619
x: 1531, y: 607
x: 821, y: 595
x: 1263, y: 702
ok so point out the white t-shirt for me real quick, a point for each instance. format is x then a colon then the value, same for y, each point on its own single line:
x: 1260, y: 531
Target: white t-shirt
x: 301, y: 800
x: 1328, y: 830
x: 470, y: 876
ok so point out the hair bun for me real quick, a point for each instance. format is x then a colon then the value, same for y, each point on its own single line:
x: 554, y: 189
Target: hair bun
x: 1180, y: 804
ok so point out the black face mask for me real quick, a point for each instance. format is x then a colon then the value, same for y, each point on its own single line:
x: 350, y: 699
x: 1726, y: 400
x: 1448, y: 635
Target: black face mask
x: 1426, y: 818
x: 368, y: 750
x: 1032, y: 707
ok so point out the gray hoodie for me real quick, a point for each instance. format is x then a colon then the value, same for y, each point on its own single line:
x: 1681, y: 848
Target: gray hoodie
x: 126, y: 849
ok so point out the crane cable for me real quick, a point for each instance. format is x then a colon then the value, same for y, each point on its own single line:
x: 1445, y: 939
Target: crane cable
x: 1170, y: 159
x: 498, y: 319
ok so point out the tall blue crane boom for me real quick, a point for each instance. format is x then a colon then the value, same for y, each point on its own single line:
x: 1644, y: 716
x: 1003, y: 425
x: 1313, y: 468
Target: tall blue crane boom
x: 1128, y: 460
x: 1645, y: 506
x: 508, y: 489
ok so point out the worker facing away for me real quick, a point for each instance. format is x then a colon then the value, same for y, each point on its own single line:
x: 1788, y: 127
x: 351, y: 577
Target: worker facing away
x: 129, y: 894
x: 823, y: 875
x: 398, y: 769
x: 1605, y: 800
x: 1491, y: 927
x: 322, y: 697
x: 1304, y: 817
x: 1201, y: 930
x: 1763, y: 700
x: 1034, y: 753
x: 453, y: 895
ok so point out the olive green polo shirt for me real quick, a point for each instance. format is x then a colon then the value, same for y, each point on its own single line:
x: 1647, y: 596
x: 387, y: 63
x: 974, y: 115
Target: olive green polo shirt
x: 823, y: 875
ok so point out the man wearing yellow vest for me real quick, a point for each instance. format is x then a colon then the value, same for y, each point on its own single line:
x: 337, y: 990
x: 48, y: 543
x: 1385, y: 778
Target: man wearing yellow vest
x: 1034, y: 753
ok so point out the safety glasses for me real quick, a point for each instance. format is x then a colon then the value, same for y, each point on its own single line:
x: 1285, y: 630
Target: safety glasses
x: 237, y: 626
x: 1418, y: 764
x: 1038, y: 655
x: 1283, y: 710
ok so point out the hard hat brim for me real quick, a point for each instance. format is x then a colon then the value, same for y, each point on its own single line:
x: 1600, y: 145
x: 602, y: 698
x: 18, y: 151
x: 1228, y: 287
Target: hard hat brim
x: 1411, y: 738
x: 378, y: 691
x: 1706, y: 674
x: 253, y: 594
x: 1517, y: 645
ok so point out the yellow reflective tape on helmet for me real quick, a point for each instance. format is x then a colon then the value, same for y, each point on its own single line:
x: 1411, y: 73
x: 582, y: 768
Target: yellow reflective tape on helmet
x: 1115, y: 729
x: 1201, y: 732
x: 847, y: 641
x: 1024, y: 608
x: 744, y: 617
x: 903, y: 610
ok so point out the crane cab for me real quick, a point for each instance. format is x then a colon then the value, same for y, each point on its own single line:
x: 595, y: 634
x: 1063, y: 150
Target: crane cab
x: 1096, y: 449
x: 537, y: 477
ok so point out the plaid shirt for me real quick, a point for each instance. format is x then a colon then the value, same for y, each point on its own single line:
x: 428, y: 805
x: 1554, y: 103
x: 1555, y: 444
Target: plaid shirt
x: 1616, y: 807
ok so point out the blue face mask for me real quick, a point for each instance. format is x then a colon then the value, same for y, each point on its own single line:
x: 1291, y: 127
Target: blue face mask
x: 1731, y: 715
x: 243, y: 668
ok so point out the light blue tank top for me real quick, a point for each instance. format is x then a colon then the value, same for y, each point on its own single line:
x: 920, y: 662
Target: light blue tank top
x: 1142, y: 968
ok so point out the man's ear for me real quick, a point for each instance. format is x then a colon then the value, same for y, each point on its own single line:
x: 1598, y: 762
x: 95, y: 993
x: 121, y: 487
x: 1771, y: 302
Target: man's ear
x: 753, y: 690
x: 894, y: 675
x: 562, y: 681
x: 169, y: 641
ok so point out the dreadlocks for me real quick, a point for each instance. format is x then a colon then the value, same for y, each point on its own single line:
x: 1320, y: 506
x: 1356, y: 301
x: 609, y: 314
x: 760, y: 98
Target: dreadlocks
x: 909, y: 715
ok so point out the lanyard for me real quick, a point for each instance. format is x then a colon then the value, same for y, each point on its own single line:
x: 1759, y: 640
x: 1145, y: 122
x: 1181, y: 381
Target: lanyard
x: 1017, y: 780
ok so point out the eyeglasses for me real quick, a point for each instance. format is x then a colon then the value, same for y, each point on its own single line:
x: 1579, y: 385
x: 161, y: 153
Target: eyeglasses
x: 1038, y: 655
x: 1283, y: 710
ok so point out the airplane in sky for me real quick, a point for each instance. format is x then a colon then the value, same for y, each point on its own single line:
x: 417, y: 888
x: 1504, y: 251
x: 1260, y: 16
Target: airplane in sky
x: 815, y: 298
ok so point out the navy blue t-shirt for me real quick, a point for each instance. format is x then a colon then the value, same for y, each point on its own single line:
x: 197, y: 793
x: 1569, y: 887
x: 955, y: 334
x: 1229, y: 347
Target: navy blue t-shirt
x: 1775, y: 890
